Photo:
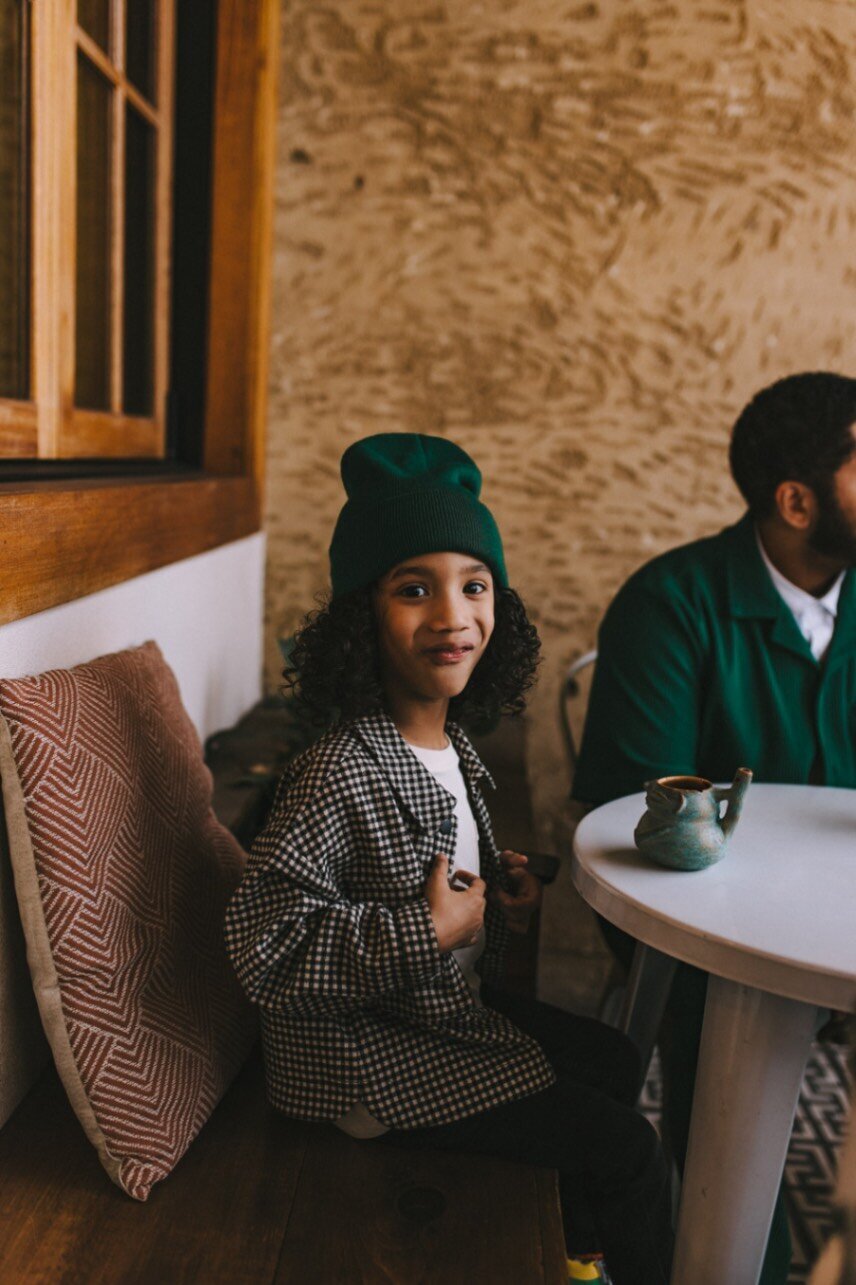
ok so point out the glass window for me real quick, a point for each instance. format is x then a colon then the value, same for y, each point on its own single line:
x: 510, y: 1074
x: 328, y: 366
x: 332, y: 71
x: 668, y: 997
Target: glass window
x: 139, y: 264
x: 140, y: 46
x: 14, y: 200
x: 94, y: 17
x: 92, y: 268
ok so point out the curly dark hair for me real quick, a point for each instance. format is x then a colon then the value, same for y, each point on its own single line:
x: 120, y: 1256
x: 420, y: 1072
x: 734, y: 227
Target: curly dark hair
x: 333, y: 669
x: 798, y: 429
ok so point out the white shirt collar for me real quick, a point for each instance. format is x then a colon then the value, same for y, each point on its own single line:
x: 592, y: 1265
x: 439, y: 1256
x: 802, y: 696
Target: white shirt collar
x: 799, y: 600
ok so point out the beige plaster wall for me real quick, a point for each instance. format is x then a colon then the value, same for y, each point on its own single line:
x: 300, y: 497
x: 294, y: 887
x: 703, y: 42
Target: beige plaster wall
x: 574, y: 237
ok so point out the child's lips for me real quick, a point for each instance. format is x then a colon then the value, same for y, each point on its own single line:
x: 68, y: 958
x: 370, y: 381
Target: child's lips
x: 448, y: 655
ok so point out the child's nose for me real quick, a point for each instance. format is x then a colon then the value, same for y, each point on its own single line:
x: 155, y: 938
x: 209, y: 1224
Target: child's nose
x: 449, y: 613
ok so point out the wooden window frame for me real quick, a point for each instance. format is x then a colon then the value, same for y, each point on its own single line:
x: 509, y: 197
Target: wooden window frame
x: 50, y: 425
x: 62, y: 539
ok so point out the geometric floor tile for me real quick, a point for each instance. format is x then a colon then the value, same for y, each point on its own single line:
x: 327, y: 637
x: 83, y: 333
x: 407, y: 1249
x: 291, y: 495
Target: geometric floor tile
x: 817, y: 1135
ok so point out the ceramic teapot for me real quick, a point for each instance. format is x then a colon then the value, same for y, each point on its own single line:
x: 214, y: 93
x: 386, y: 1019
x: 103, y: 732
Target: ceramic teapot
x: 682, y: 827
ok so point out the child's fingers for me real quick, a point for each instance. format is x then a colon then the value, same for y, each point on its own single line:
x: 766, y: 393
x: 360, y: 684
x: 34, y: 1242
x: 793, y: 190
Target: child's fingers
x: 502, y: 898
x: 512, y: 859
x: 517, y: 916
x: 525, y: 887
x: 513, y: 902
x: 467, y: 877
x: 439, y: 872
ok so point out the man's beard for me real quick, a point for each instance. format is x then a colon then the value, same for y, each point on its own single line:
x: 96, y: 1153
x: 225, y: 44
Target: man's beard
x: 835, y: 534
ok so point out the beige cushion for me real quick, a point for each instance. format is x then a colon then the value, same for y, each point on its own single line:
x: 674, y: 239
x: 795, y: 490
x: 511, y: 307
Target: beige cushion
x: 122, y: 873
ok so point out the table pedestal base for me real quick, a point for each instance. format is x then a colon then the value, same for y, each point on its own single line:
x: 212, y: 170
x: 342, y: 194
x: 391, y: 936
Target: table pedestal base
x: 739, y: 1140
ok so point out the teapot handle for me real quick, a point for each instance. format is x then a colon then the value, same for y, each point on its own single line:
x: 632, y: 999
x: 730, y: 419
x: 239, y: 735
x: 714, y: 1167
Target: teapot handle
x: 721, y: 793
x: 742, y: 779
x: 735, y: 793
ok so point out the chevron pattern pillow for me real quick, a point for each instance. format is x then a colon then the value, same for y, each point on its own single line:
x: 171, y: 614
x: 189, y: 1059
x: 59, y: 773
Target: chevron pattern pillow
x: 122, y: 874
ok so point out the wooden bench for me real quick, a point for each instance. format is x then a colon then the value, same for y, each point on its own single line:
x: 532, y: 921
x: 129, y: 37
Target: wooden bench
x: 260, y: 1197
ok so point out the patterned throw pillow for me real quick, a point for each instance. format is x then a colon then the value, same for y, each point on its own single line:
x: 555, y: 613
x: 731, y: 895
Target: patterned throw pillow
x: 122, y: 874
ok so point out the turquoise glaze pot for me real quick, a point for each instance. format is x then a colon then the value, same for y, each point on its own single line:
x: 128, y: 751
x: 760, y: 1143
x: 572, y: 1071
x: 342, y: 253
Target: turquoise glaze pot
x: 682, y: 827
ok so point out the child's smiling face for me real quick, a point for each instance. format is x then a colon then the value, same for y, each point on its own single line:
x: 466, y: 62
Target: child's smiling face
x: 435, y: 619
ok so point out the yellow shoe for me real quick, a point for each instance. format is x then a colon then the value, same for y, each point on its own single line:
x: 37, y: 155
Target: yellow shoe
x: 590, y: 1268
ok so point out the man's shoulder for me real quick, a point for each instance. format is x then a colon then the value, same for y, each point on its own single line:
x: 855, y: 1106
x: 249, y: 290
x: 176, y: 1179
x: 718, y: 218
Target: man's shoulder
x: 687, y: 571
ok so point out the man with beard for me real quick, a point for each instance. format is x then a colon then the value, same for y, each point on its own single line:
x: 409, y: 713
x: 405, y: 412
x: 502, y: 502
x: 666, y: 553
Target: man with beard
x: 739, y: 650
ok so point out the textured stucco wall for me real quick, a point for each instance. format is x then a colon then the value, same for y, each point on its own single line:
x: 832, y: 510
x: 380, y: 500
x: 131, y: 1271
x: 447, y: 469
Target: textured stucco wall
x: 572, y: 236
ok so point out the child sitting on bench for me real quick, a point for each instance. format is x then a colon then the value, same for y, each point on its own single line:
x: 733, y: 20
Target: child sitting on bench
x: 372, y: 919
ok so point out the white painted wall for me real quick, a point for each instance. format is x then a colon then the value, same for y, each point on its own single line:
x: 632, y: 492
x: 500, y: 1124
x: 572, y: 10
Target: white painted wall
x: 205, y: 613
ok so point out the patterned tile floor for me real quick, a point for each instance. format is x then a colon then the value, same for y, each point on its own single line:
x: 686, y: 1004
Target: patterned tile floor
x: 810, y: 1168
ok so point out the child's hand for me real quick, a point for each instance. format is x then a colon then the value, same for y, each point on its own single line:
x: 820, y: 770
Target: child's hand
x: 457, y: 916
x: 525, y: 896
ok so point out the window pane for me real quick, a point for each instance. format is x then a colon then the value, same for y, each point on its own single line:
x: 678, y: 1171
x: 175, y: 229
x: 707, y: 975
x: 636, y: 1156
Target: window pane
x: 14, y: 201
x: 92, y: 322
x: 139, y: 45
x: 94, y: 17
x: 139, y: 264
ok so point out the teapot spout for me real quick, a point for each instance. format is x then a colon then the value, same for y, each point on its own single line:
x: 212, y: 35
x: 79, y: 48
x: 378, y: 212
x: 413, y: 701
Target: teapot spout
x: 735, y: 794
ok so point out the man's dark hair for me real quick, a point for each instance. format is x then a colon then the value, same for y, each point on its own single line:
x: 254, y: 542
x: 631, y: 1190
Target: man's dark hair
x: 333, y: 669
x: 797, y: 430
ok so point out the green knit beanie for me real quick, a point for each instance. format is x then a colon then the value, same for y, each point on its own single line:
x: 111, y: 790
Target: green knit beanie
x: 409, y: 494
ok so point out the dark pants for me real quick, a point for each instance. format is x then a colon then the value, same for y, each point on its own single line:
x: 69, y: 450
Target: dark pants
x: 679, y: 1040
x: 613, y: 1183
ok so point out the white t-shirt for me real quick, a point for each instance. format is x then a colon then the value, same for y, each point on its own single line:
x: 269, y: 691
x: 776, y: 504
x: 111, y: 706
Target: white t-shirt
x: 445, y: 768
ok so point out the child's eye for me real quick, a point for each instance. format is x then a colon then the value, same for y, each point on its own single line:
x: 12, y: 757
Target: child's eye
x: 475, y: 587
x: 412, y: 591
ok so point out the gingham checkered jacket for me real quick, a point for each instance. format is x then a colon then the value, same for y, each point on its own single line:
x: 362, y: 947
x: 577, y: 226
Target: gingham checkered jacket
x: 331, y: 936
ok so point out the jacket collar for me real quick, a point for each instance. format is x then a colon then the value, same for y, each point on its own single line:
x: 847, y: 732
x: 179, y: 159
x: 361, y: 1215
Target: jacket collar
x: 421, y: 795
x: 753, y: 596
x: 843, y: 645
x: 471, y: 765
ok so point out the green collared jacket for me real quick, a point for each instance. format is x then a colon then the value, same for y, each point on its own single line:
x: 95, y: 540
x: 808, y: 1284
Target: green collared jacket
x: 702, y: 669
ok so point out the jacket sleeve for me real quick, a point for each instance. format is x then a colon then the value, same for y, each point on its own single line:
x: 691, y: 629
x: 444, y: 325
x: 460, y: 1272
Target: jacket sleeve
x: 643, y: 716
x: 297, y: 943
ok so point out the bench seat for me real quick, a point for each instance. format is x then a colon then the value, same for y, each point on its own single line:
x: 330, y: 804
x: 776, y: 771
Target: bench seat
x: 260, y: 1197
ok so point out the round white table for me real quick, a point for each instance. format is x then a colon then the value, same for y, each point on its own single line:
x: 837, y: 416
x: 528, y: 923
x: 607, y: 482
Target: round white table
x: 774, y: 923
